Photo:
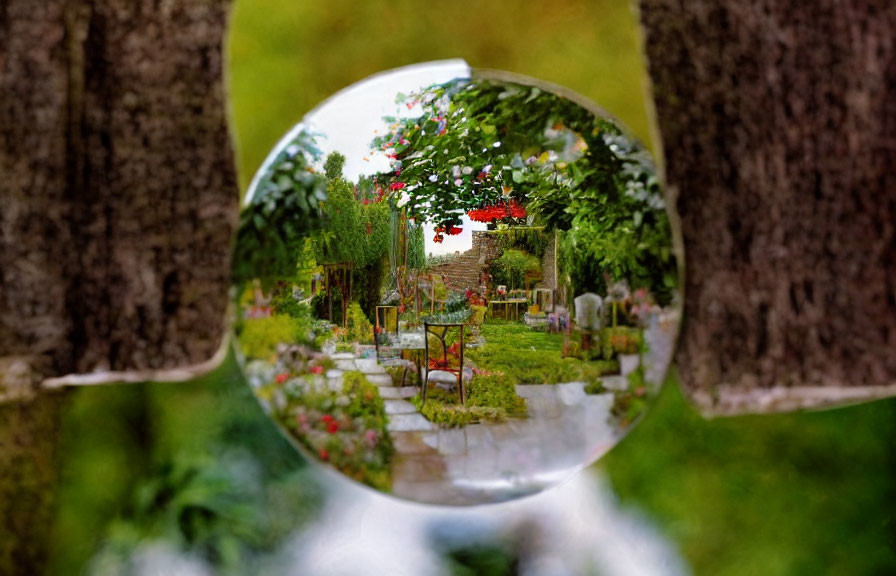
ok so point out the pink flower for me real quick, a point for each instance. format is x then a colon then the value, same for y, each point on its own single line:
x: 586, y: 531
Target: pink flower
x: 317, y: 369
x: 281, y: 378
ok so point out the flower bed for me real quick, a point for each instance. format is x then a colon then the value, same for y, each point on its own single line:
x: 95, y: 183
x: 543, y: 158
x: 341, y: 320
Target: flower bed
x: 347, y: 428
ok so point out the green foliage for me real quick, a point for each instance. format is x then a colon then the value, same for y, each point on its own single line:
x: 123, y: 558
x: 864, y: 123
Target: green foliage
x: 360, y: 329
x: 630, y: 404
x: 195, y: 466
x: 495, y: 391
x: 512, y: 266
x: 765, y: 494
x: 531, y: 357
x: 533, y: 240
x: 443, y: 408
x: 479, y: 141
x: 347, y: 429
x: 259, y: 337
x: 490, y: 397
x: 280, y: 215
x: 341, y: 239
x: 595, y: 387
x: 283, y: 303
x: 334, y: 164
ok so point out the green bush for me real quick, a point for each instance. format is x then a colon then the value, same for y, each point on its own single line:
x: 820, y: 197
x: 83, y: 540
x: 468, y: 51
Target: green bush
x: 490, y: 397
x: 595, y: 387
x: 495, y: 391
x: 443, y: 408
x: 359, y: 327
x: 259, y: 337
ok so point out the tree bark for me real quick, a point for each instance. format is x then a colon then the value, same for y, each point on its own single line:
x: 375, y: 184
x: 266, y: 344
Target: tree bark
x: 778, y: 125
x: 118, y: 201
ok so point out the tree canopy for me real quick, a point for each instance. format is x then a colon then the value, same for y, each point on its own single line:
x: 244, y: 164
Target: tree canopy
x: 506, y: 152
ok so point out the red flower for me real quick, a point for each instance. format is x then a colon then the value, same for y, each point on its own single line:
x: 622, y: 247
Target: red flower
x: 366, y: 201
x: 326, y: 418
x: 324, y: 455
x: 317, y: 369
x: 333, y: 427
x: 281, y: 378
x: 397, y: 186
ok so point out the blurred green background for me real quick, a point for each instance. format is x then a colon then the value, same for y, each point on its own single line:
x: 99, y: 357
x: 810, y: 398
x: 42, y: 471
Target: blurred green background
x: 199, y: 465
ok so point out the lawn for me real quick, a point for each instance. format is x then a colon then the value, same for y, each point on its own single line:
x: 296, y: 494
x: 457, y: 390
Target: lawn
x: 531, y: 357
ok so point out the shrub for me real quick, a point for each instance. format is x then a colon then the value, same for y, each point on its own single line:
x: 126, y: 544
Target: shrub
x: 595, y: 387
x: 489, y: 397
x: 258, y: 337
x: 495, y: 391
x: 359, y: 327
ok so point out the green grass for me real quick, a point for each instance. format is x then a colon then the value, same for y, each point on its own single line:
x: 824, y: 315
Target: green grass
x: 785, y: 494
x: 488, y: 398
x: 531, y: 357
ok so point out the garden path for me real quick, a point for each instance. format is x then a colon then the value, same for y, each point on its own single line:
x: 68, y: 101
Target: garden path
x: 496, y: 461
x: 491, y: 462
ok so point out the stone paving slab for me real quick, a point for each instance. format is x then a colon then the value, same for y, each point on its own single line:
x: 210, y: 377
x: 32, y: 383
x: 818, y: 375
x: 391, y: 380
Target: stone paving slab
x: 333, y: 373
x: 453, y: 441
x: 342, y: 356
x: 369, y: 366
x: 389, y: 393
x: 346, y: 365
x: 571, y: 393
x: 399, y: 407
x: 411, y: 442
x: 379, y: 379
x: 408, y: 422
x: 615, y: 382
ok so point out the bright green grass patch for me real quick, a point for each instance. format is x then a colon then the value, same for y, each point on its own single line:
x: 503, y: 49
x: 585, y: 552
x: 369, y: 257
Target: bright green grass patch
x: 489, y: 398
x: 531, y: 357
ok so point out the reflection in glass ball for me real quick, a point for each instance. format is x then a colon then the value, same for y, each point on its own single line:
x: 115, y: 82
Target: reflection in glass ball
x: 455, y: 286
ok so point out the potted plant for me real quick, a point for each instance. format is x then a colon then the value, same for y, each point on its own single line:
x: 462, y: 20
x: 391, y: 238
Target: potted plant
x: 627, y: 345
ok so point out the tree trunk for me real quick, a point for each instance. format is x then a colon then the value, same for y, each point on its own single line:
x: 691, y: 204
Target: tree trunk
x: 778, y: 125
x: 118, y: 197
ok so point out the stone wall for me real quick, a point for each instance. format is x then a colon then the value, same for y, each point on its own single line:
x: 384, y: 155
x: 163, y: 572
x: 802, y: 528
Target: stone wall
x: 462, y: 272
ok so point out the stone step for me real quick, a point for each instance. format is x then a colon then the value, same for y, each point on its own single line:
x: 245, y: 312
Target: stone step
x: 393, y: 393
x: 399, y: 407
x: 379, y: 379
x: 409, y: 423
